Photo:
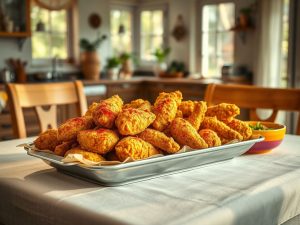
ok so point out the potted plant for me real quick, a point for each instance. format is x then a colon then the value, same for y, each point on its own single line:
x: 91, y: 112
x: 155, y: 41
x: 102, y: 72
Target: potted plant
x: 90, y: 61
x: 161, y: 55
x: 175, y: 69
x: 112, y: 67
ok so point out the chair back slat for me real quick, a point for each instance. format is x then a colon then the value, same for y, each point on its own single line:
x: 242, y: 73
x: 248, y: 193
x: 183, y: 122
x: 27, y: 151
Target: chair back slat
x: 38, y: 95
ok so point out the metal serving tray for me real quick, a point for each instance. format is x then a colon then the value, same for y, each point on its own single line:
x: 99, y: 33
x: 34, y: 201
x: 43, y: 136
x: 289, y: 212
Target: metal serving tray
x: 114, y: 175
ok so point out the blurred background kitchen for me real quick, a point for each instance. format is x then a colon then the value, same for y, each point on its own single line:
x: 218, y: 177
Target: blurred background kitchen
x: 179, y: 44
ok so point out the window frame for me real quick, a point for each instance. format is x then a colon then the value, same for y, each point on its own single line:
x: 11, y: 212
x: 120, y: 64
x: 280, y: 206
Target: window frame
x: 200, y: 6
x: 145, y: 64
x: 132, y: 10
x: 72, y: 38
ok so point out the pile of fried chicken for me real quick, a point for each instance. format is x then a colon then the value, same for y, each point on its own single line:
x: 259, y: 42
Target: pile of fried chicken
x: 114, y: 131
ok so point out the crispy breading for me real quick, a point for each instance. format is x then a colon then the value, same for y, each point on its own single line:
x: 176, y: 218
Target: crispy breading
x: 47, y: 140
x: 64, y: 147
x: 133, y: 121
x: 86, y: 154
x: 185, y: 134
x: 100, y: 141
x: 210, y: 137
x: 160, y: 140
x: 198, y: 114
x: 135, y: 148
x: 179, y: 114
x: 91, y: 109
x: 138, y: 104
x: 223, y: 111
x: 107, y: 111
x: 223, y: 131
x: 241, y: 127
x: 165, y: 108
x: 68, y: 131
x: 186, y: 107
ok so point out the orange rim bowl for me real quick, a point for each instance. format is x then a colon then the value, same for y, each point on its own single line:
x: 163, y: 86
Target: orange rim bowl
x: 273, y: 137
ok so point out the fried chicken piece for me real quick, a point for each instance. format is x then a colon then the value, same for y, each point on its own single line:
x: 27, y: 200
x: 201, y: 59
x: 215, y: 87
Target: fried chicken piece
x: 223, y: 111
x: 210, y: 137
x: 68, y: 131
x: 47, y: 140
x: 135, y: 148
x: 160, y: 140
x: 186, y: 107
x: 138, y: 104
x: 94, y: 157
x: 64, y: 147
x: 241, y: 127
x: 198, y: 114
x: 185, y: 134
x: 91, y: 109
x: 179, y: 114
x: 165, y: 108
x: 100, y: 141
x: 107, y: 111
x: 133, y: 121
x: 223, y: 131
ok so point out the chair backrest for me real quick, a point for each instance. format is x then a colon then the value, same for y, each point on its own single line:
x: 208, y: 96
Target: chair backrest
x: 255, y: 97
x: 38, y: 95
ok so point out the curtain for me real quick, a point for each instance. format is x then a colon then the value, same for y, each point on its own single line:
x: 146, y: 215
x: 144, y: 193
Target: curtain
x: 269, y: 43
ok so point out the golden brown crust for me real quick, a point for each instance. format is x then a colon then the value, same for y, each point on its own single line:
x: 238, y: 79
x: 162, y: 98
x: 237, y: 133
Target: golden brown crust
x: 47, y: 140
x: 68, y: 131
x: 223, y: 111
x: 133, y: 121
x: 185, y: 134
x: 107, y: 111
x: 210, y: 137
x: 86, y: 154
x: 160, y: 140
x: 138, y: 104
x: 100, y: 141
x: 165, y: 108
x: 134, y: 148
x: 241, y: 127
x: 223, y: 131
x: 64, y: 147
x: 198, y: 114
x: 186, y: 107
x: 91, y: 109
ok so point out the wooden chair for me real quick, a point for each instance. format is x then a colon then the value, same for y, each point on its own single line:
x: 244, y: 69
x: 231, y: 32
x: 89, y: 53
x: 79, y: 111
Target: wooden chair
x: 39, y: 95
x: 254, y: 97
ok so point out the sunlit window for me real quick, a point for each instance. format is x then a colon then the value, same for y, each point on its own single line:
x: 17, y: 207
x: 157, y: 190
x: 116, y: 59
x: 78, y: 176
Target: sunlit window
x: 121, y: 31
x: 284, y: 44
x: 152, y: 33
x: 217, y: 39
x: 52, y: 39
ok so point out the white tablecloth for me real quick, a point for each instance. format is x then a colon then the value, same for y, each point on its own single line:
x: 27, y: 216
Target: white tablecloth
x: 248, y: 190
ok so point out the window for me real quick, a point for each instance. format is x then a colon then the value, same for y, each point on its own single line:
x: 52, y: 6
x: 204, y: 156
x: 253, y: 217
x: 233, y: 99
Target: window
x: 152, y: 33
x: 53, y: 40
x: 121, y: 31
x: 217, y: 39
x: 284, y: 44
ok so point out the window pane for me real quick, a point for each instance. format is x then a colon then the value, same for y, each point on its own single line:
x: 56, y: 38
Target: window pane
x: 209, y: 17
x: 58, y: 21
x: 152, y: 30
x: 40, y: 45
x: 226, y: 16
x: 114, y: 21
x: 59, y: 47
x: 146, y: 22
x: 217, y: 40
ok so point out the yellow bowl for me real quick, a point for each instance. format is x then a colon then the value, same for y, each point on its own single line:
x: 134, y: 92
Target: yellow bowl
x: 273, y: 137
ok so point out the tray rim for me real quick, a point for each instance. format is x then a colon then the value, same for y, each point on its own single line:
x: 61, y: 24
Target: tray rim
x: 144, y: 161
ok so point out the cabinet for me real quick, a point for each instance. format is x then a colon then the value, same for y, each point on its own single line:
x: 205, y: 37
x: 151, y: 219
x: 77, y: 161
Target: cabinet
x: 15, y: 20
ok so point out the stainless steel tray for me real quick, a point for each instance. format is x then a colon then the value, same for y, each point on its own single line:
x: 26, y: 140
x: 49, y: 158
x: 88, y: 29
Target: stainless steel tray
x: 114, y: 175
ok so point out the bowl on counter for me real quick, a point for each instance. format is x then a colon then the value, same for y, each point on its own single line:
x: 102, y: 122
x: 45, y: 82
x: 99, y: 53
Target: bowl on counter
x: 272, y: 132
